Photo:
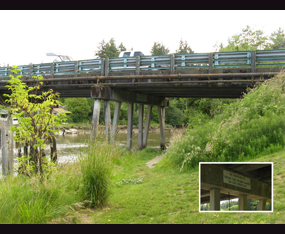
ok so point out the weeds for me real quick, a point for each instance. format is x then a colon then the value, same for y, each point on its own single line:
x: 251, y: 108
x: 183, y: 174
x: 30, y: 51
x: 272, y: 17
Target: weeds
x: 245, y: 128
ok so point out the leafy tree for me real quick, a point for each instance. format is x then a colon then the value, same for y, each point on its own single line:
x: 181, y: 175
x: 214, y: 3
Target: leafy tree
x: 159, y: 49
x: 35, y: 120
x: 184, y: 48
x: 109, y: 49
x: 173, y: 115
x: 78, y: 107
x: 278, y: 39
x: 248, y: 39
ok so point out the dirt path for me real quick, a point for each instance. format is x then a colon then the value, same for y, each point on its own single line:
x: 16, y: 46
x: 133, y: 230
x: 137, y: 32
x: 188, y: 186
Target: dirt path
x: 151, y: 163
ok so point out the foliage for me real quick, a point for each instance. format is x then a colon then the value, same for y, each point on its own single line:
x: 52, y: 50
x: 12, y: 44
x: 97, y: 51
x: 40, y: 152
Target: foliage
x: 278, y: 39
x: 159, y: 49
x: 34, y: 114
x: 78, y: 107
x: 248, y: 39
x: 246, y: 128
x: 173, y: 115
x: 109, y: 49
x: 184, y: 48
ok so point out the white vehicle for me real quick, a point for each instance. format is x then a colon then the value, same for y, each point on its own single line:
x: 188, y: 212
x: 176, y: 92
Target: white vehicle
x: 130, y: 54
x: 57, y: 58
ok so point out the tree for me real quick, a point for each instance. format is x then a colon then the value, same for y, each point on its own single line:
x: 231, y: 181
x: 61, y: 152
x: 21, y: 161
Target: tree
x: 109, y: 49
x: 184, y: 48
x: 78, y: 107
x: 159, y: 49
x: 35, y: 119
x: 278, y: 39
x: 247, y: 40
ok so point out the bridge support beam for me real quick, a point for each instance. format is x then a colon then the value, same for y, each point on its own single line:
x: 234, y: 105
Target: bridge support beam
x: 140, y: 134
x: 115, y: 121
x: 130, y: 125
x: 110, y: 94
x: 146, y: 127
x: 95, y: 119
x: 107, y: 114
x: 242, y: 202
x: 161, y: 115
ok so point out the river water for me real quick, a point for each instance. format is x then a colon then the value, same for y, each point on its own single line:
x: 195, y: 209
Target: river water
x: 70, y: 146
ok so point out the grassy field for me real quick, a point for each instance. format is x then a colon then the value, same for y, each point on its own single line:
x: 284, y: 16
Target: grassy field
x: 164, y: 195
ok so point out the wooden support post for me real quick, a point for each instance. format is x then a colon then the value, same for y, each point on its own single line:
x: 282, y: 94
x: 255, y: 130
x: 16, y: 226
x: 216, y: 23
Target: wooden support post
x: 211, y: 62
x: 161, y: 115
x: 242, y: 202
x: 107, y: 116
x: 106, y: 67
x: 115, y: 121
x: 102, y: 67
x: 253, y: 61
x: 75, y: 68
x: 146, y: 127
x: 262, y: 204
x: 95, y: 119
x: 137, y: 65
x: 215, y: 199
x: 140, y: 136
x: 7, y: 147
x: 172, y: 63
x: 130, y: 125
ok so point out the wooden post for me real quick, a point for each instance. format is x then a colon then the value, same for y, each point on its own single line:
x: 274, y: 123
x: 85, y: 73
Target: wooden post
x: 7, y: 147
x: 161, y: 115
x: 115, y: 121
x: 146, y: 127
x: 210, y: 62
x: 106, y: 67
x: 215, y: 199
x: 253, y: 61
x: 262, y: 204
x: 137, y: 65
x: 95, y: 119
x: 75, y: 68
x: 242, y: 202
x: 140, y: 136
x: 102, y: 67
x: 107, y: 114
x: 130, y: 125
x: 172, y: 64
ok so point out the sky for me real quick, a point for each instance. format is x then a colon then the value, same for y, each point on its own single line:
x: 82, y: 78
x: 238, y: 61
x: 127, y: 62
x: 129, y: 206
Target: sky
x: 27, y: 35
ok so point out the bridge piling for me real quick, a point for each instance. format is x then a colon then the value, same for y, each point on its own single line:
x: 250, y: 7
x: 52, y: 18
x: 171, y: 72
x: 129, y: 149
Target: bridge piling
x: 95, y: 119
x: 146, y: 127
x: 115, y: 121
x: 140, y: 136
x: 107, y: 115
x: 130, y: 125
x: 161, y: 115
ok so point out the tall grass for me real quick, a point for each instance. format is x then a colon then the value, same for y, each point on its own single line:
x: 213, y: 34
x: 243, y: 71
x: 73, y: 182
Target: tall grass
x: 248, y: 127
x: 27, y: 200
x: 96, y: 168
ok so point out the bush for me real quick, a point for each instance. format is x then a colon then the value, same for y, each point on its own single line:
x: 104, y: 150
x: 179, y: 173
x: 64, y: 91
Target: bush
x: 246, y: 128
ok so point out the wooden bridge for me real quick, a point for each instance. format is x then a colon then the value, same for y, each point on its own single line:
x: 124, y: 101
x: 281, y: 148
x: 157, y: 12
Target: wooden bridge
x: 150, y: 80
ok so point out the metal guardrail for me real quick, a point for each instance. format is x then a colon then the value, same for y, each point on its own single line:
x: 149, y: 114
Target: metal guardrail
x: 258, y: 58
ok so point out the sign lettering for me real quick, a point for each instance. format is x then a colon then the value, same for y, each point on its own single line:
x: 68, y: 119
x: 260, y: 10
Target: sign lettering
x: 236, y: 179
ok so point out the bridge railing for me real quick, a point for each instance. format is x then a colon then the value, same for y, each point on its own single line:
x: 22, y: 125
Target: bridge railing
x: 259, y: 58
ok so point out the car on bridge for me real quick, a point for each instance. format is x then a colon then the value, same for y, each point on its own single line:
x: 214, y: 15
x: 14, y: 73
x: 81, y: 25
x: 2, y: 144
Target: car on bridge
x: 124, y: 54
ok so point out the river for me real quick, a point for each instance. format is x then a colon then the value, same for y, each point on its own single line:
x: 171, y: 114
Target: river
x: 70, y: 145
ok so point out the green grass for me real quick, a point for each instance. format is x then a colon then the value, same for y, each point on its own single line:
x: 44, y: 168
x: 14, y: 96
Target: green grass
x: 167, y: 196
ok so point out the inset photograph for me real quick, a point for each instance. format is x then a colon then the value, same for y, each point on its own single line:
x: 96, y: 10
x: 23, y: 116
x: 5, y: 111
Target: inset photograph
x: 236, y: 187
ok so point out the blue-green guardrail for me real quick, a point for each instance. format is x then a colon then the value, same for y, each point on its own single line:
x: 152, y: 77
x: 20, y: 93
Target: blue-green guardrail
x: 258, y: 58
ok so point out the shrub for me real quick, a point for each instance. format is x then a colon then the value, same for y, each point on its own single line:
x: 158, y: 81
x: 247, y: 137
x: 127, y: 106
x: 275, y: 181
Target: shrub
x: 246, y: 128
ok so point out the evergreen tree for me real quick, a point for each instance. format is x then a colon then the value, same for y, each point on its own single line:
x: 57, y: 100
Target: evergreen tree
x: 109, y: 49
x: 184, y: 48
x: 159, y: 49
x: 278, y: 39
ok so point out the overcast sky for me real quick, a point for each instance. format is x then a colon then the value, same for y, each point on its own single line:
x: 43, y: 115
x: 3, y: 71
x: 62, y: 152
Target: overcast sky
x: 26, y: 36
